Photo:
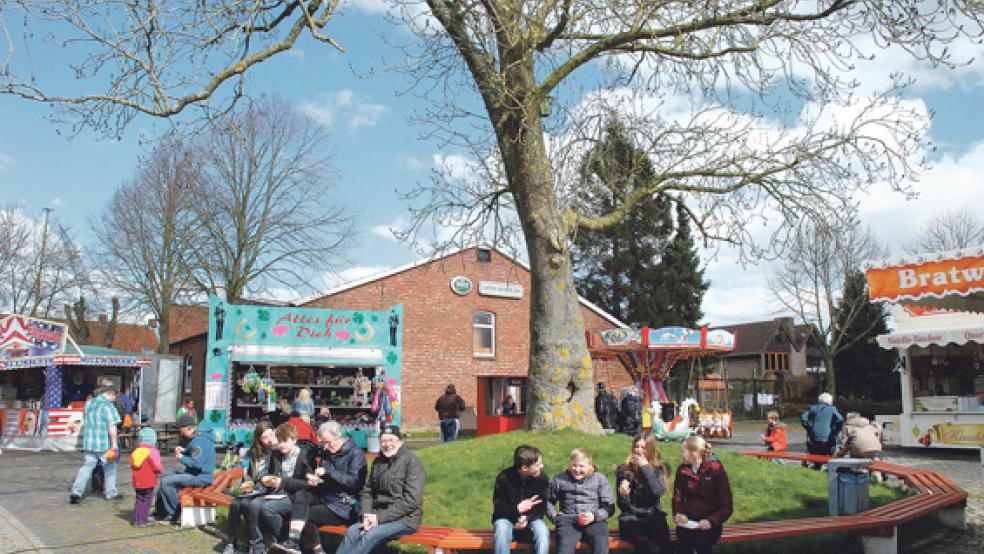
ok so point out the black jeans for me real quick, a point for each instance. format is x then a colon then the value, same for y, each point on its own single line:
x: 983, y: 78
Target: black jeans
x: 646, y: 534
x: 318, y: 515
x: 822, y: 448
x: 569, y: 532
x: 237, y: 509
x: 689, y: 540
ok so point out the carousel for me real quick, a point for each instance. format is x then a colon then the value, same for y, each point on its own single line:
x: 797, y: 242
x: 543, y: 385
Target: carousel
x: 648, y: 355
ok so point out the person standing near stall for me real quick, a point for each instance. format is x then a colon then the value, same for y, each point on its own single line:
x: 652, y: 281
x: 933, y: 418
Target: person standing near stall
x: 100, y: 444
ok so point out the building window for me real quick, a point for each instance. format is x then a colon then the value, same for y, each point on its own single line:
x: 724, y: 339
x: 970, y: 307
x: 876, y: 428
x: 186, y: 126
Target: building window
x: 776, y: 361
x: 484, y: 334
x: 484, y: 255
x: 188, y: 368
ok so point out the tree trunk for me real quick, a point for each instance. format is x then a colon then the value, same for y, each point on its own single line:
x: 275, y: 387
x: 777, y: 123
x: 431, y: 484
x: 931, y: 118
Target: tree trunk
x: 830, y: 378
x: 164, y: 331
x: 561, y: 378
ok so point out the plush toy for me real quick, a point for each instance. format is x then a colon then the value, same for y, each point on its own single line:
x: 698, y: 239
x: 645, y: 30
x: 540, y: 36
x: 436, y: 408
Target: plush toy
x: 251, y: 382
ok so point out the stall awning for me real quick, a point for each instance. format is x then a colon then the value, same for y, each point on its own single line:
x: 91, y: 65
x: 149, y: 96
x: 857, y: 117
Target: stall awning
x: 939, y: 337
x: 953, y: 280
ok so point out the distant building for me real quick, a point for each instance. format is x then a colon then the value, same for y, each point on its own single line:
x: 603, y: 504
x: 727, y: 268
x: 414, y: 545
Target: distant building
x: 774, y: 346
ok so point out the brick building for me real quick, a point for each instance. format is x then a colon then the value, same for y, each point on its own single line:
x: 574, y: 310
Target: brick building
x: 467, y: 317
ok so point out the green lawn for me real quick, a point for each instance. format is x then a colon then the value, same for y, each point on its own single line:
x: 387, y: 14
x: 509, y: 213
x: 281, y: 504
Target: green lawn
x: 460, y: 476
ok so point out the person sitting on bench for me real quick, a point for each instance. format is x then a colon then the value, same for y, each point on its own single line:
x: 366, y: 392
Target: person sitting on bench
x: 518, y: 502
x: 392, y: 499
x: 199, y: 461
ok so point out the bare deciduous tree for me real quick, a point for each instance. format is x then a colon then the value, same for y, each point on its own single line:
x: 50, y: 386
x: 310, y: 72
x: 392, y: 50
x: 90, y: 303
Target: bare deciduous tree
x: 952, y: 230
x: 146, y: 231
x: 42, y: 266
x: 517, y: 55
x: 810, y: 283
x: 265, y: 206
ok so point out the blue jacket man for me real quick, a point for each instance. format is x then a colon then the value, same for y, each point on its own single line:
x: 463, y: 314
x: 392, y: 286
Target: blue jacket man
x: 198, y: 457
x: 822, y: 423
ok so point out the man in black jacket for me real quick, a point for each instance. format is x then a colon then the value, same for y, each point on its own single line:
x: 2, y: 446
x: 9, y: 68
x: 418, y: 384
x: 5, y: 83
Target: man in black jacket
x: 392, y: 499
x: 517, y: 502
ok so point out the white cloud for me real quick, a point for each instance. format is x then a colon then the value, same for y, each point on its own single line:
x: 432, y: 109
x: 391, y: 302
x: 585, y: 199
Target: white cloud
x: 372, y: 6
x: 296, y: 53
x: 385, y: 230
x: 367, y: 115
x: 335, y: 279
x: 412, y: 163
x: 344, y: 105
x: 321, y: 113
x: 57, y: 201
x: 5, y: 161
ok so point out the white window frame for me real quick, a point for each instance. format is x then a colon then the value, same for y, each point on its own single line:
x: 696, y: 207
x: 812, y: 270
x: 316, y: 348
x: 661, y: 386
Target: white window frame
x: 490, y: 326
x: 187, y: 375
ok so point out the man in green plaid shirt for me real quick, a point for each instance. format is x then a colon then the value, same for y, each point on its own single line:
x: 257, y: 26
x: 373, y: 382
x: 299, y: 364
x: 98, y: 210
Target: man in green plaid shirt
x: 99, y: 438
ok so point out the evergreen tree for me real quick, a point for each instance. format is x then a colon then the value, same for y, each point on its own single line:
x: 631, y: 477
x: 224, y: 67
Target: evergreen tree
x: 635, y: 270
x: 863, y: 369
x: 678, y: 291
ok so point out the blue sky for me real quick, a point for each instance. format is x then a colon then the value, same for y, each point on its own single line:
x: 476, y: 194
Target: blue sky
x: 379, y: 151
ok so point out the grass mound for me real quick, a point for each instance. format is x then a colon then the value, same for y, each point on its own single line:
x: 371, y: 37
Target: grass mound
x: 460, y: 476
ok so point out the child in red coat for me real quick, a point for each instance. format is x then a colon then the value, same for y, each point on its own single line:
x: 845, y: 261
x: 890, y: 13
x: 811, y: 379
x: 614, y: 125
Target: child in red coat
x: 775, y: 434
x: 145, y: 463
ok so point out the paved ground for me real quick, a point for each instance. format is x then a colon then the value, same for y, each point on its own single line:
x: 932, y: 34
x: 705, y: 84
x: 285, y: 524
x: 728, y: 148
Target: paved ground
x: 35, y: 516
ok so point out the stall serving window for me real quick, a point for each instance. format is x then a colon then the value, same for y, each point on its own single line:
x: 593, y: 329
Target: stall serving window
x: 505, y: 395
x: 949, y: 378
x: 341, y: 392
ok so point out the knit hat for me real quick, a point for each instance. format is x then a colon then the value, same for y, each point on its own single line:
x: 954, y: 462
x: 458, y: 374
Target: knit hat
x: 148, y: 435
x: 392, y: 430
x: 187, y: 420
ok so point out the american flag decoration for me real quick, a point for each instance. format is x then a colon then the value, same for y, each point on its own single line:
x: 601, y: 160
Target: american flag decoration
x: 52, y: 387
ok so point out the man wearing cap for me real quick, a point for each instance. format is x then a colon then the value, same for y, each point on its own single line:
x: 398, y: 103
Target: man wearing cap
x: 392, y: 500
x: 199, y: 461
x: 99, y: 443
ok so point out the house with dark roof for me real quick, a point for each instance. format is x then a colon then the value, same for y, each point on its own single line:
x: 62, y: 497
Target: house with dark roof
x: 774, y: 346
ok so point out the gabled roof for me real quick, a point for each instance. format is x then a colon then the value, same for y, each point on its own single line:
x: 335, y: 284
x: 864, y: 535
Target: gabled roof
x: 186, y: 320
x: 425, y: 261
x: 128, y: 337
x: 757, y: 336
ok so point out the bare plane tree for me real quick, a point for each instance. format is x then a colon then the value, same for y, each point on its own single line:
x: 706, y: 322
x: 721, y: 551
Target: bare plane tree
x: 952, y: 230
x: 146, y: 231
x: 264, y: 204
x: 819, y: 257
x: 516, y: 55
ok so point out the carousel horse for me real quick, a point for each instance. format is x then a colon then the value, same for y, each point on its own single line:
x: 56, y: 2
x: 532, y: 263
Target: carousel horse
x: 679, y: 428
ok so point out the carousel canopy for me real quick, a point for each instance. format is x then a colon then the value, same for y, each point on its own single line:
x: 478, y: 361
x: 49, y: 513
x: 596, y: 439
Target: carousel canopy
x: 953, y: 280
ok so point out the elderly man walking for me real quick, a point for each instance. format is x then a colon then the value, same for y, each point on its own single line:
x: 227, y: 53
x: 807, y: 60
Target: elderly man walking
x: 100, y: 444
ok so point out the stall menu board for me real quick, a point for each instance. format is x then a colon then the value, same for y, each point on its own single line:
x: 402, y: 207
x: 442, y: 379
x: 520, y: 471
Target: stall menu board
x: 22, y: 336
x: 24, y: 423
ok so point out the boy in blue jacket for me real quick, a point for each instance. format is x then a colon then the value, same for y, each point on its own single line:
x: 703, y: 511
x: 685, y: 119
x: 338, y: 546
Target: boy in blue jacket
x: 198, y: 457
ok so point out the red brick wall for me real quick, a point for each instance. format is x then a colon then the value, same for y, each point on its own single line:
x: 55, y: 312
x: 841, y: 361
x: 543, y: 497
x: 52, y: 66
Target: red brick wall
x: 195, y: 347
x: 437, y: 341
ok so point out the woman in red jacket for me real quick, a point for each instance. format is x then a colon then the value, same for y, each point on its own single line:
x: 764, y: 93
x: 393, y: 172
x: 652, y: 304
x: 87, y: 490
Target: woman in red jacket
x: 701, y: 498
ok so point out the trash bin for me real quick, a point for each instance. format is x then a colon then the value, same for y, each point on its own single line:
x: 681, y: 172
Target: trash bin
x: 847, y: 485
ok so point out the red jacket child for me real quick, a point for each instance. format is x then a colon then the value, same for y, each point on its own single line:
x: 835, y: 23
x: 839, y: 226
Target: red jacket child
x: 145, y: 463
x: 775, y: 434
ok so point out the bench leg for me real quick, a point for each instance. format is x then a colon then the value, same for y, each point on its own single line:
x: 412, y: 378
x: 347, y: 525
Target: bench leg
x: 881, y: 544
x: 194, y: 516
x: 954, y: 518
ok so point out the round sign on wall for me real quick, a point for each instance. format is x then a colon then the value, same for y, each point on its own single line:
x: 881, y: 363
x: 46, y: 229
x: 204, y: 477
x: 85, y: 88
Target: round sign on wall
x: 461, y: 285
